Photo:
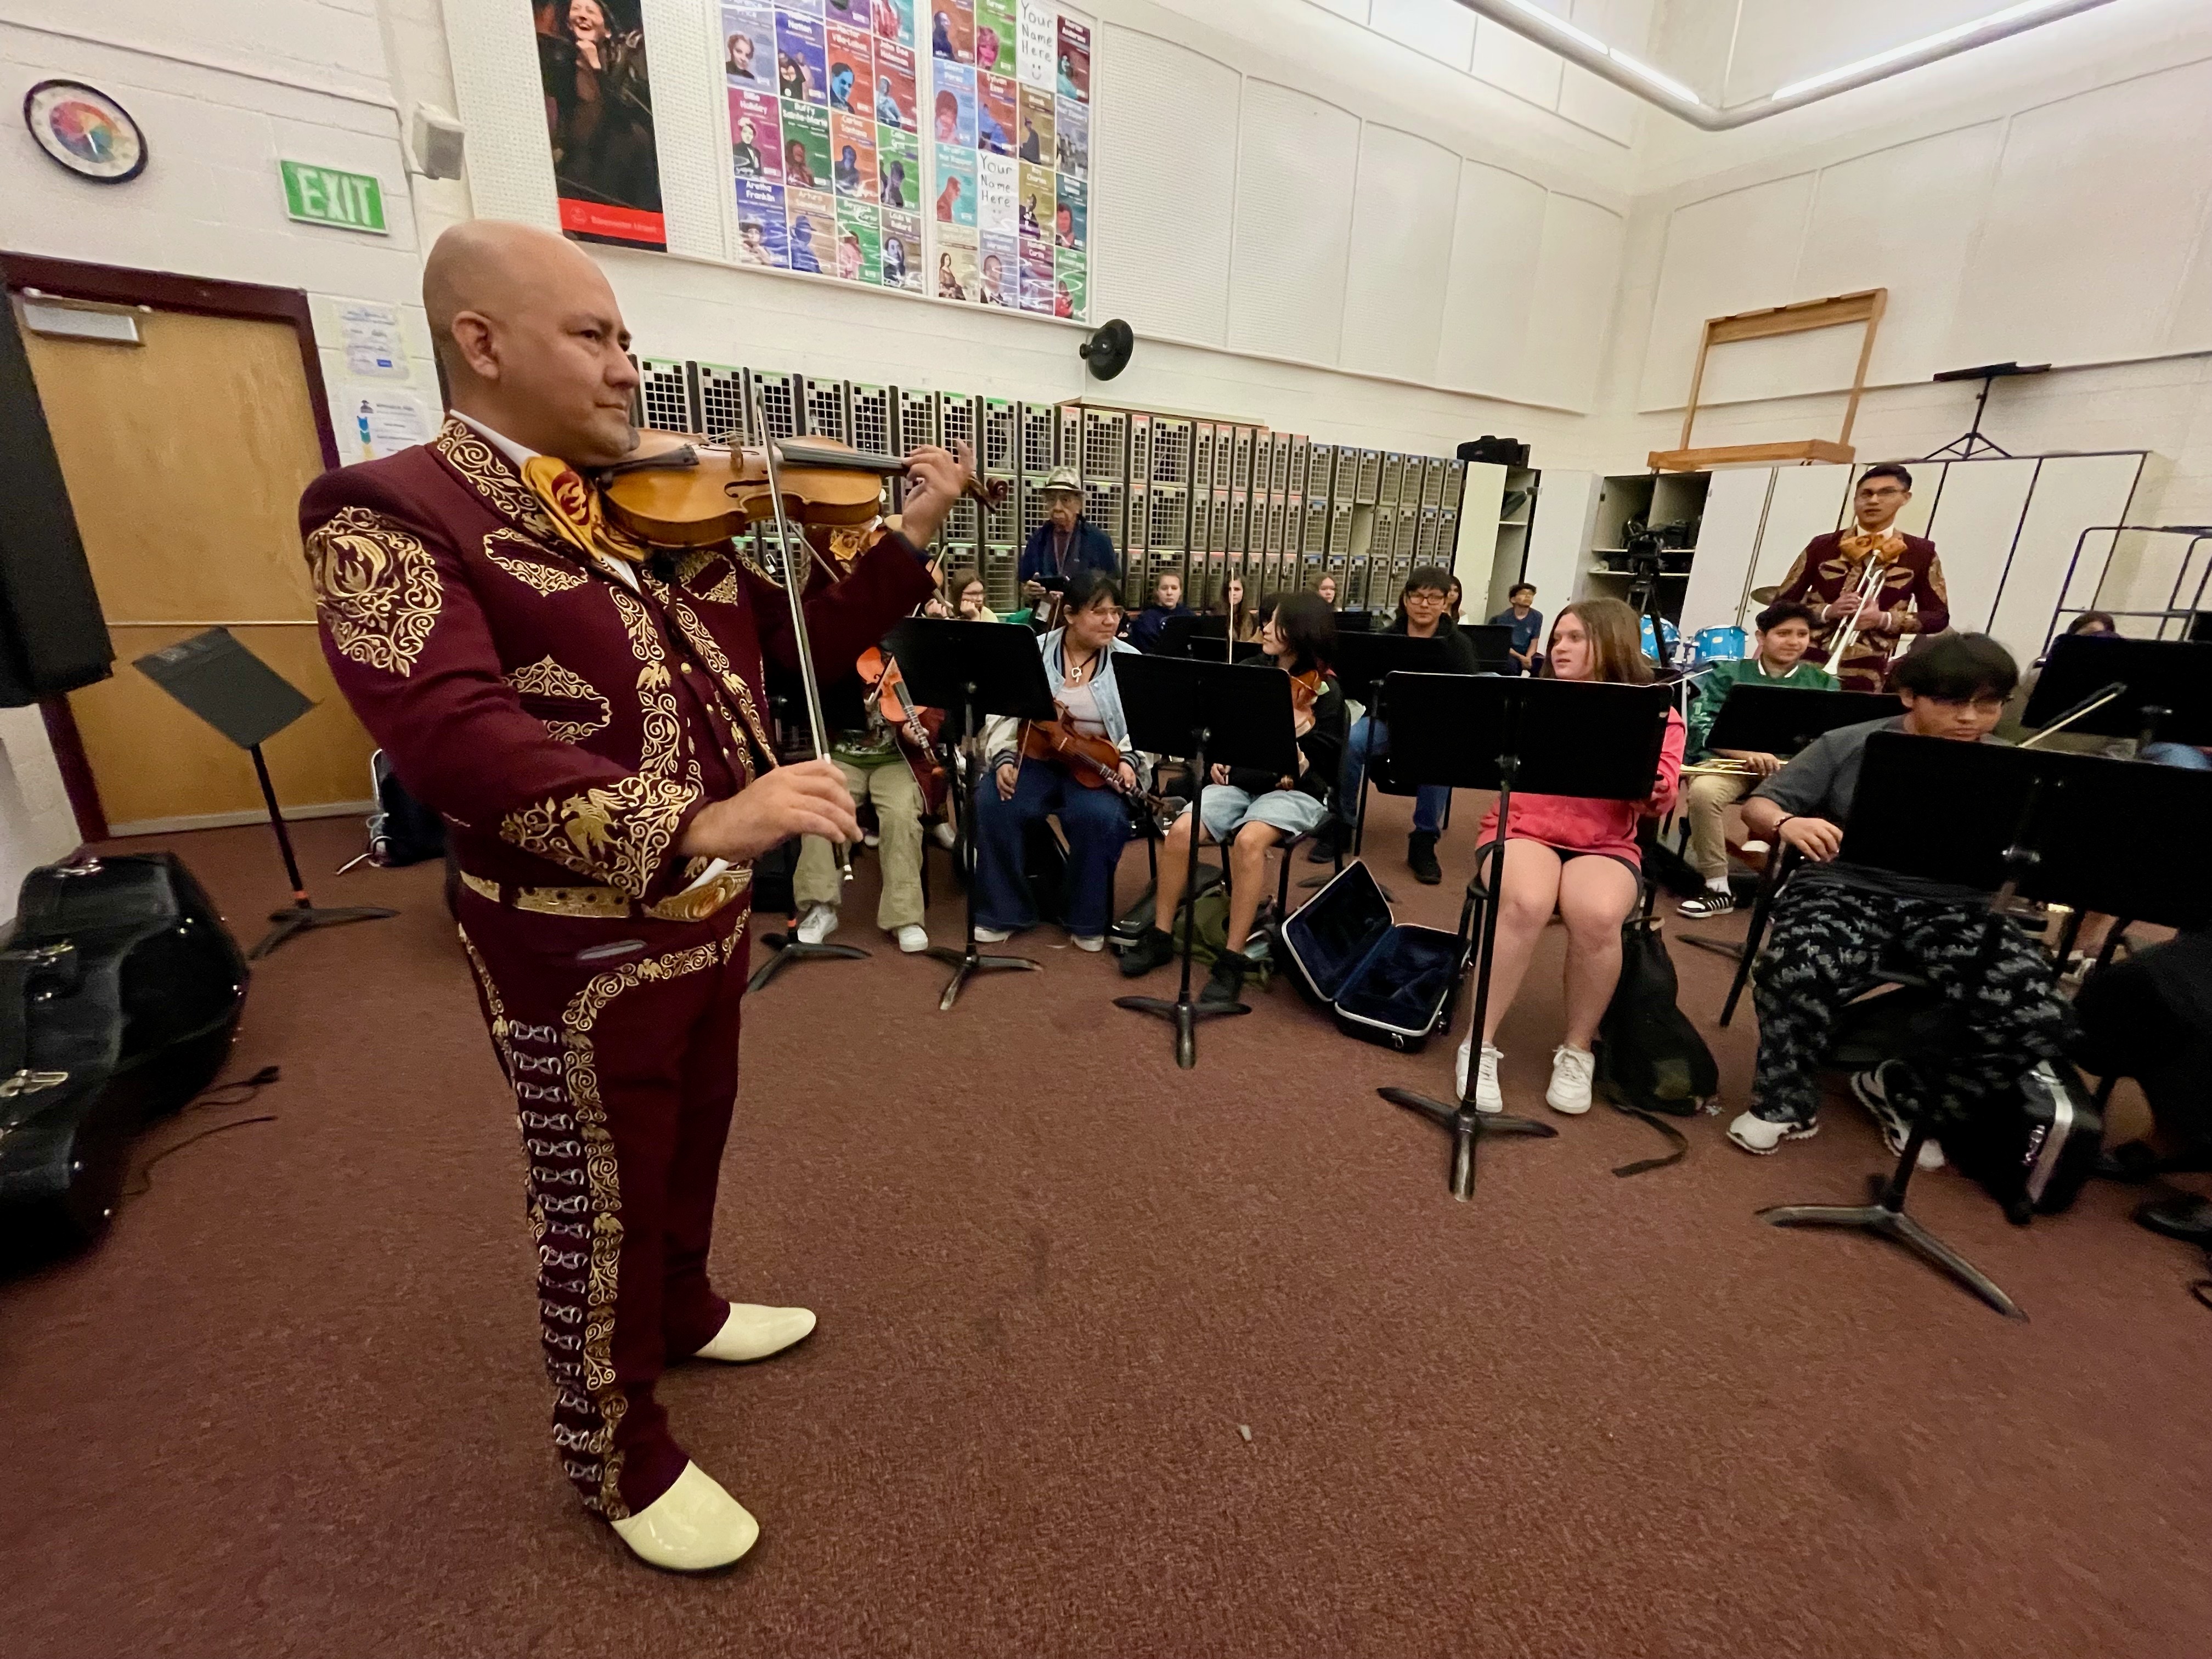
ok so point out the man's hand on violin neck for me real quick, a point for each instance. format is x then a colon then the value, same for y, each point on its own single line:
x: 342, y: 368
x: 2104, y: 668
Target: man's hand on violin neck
x: 935, y: 478
x: 809, y: 799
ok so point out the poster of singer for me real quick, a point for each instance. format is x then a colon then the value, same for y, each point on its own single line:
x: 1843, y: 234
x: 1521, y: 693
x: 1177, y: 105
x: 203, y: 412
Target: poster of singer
x: 599, y: 114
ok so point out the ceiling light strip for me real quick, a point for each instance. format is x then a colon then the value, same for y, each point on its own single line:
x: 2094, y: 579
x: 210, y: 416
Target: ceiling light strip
x: 1531, y: 21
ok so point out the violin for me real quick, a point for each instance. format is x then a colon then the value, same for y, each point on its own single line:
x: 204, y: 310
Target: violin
x: 681, y: 492
x: 1306, y: 691
x: 885, y: 690
x: 1094, y: 763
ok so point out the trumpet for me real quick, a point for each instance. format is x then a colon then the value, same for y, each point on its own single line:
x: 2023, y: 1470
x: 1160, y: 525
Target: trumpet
x: 1722, y: 767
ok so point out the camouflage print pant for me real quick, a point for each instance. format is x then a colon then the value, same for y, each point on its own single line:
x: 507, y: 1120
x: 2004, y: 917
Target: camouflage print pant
x: 1826, y: 942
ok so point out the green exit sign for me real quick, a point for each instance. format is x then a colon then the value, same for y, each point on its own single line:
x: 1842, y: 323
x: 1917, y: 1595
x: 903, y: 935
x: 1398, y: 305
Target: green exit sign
x: 324, y: 196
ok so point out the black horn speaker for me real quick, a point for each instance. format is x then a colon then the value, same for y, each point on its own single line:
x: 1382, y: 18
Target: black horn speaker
x: 1107, y: 352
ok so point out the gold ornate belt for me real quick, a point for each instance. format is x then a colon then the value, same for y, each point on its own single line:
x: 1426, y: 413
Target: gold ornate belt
x: 607, y: 905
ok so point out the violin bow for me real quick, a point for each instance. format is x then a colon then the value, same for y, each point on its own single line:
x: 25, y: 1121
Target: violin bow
x: 794, y: 583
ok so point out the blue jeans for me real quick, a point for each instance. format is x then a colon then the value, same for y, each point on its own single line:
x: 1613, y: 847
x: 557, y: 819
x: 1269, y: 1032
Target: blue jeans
x: 1371, y: 737
x: 2177, y: 754
x: 1096, y: 824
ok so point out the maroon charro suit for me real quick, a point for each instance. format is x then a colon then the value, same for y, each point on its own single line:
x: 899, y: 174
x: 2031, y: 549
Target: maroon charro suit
x: 1911, y: 592
x: 567, y: 728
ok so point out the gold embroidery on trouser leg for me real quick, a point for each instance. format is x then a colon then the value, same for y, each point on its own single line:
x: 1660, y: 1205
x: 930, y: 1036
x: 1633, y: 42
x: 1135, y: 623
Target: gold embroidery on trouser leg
x: 582, y: 1078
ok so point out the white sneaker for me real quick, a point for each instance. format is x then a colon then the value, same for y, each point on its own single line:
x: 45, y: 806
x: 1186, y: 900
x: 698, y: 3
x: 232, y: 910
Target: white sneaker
x: 819, y: 922
x: 1874, y: 1094
x: 992, y: 935
x: 947, y: 836
x: 1571, y: 1072
x: 1088, y: 941
x: 913, y: 939
x: 1488, y: 1096
x: 1762, y: 1135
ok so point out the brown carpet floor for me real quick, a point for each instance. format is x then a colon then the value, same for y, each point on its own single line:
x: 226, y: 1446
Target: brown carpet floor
x: 294, y: 1404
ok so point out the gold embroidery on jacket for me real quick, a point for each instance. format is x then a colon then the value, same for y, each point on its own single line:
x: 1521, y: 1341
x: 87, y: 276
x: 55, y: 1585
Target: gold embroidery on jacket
x: 487, y: 472
x: 725, y: 676
x: 376, y: 589
x: 694, y: 563
x: 547, y: 678
x: 525, y: 561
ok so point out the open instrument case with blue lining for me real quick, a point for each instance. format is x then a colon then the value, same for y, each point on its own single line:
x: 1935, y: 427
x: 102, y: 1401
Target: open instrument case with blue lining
x: 1383, y: 982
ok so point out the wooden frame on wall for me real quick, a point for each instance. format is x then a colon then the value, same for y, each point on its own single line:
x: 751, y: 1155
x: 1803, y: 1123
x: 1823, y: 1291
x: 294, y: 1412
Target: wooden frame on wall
x: 1838, y: 311
x: 123, y: 285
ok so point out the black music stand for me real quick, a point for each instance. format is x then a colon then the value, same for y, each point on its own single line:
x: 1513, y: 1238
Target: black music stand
x: 1493, y: 646
x: 1207, y: 713
x: 785, y: 949
x: 970, y: 670
x: 1778, y: 719
x: 1362, y: 662
x: 250, y: 702
x: 1594, y: 741
x: 2152, y: 690
x: 2077, y: 829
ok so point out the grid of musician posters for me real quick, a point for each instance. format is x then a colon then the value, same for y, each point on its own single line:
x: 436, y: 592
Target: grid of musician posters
x: 853, y: 123
x: 1010, y: 154
x: 824, y: 137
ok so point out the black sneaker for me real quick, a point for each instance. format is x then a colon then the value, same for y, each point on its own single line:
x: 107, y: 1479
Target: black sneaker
x: 1328, y: 841
x: 1224, y: 985
x: 1421, y: 857
x: 1713, y: 902
x: 1153, y: 949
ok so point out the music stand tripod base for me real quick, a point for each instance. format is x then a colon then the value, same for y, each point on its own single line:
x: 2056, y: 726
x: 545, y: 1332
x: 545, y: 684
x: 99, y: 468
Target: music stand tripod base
x: 970, y: 961
x: 301, y: 917
x: 1184, y: 1017
x: 1885, y: 1218
x: 794, y: 949
x: 1467, y: 1127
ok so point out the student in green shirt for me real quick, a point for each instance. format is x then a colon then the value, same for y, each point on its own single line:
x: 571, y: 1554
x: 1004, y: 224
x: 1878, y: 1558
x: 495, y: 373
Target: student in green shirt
x: 1785, y: 632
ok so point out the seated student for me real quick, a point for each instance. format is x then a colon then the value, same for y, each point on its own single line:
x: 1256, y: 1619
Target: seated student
x: 1421, y: 616
x: 1527, y: 622
x: 1231, y: 603
x: 1833, y: 922
x: 964, y: 597
x: 1578, y: 857
x: 1785, y: 632
x: 892, y: 766
x: 1153, y: 621
x: 1078, y: 663
x: 1247, y: 811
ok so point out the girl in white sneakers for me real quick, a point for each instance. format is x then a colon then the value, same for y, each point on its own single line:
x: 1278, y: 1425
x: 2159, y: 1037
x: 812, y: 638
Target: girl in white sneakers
x: 1578, y: 857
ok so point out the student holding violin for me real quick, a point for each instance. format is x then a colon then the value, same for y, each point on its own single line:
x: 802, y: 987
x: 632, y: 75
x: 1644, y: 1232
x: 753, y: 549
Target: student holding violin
x: 1078, y: 767
x: 575, y: 686
x: 1249, y: 812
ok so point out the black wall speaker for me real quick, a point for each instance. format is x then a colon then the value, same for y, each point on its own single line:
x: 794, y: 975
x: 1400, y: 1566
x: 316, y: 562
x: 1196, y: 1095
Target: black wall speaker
x: 53, y: 637
x: 1107, y: 353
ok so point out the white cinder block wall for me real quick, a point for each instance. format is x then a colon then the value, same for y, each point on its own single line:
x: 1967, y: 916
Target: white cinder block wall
x: 1515, y: 247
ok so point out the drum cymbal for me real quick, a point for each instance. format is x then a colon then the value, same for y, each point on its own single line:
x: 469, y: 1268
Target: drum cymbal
x: 1764, y: 595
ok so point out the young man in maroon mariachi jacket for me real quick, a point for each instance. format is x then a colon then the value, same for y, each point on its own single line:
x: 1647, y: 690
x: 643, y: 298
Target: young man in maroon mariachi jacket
x: 588, y: 719
x: 1907, y: 599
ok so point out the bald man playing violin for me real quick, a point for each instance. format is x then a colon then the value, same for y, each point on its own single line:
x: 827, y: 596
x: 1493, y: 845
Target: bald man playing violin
x: 587, y: 716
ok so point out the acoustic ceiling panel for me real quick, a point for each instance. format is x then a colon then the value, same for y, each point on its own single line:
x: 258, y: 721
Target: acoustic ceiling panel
x: 1443, y: 29
x: 1577, y: 275
x: 1499, y: 219
x: 1297, y: 162
x: 2086, y: 240
x: 1173, y: 115
x: 1901, y: 218
x: 691, y: 124
x: 1402, y: 250
x: 495, y: 57
x: 1734, y: 252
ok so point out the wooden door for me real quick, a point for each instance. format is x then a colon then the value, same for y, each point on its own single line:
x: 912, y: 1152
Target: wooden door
x: 184, y: 458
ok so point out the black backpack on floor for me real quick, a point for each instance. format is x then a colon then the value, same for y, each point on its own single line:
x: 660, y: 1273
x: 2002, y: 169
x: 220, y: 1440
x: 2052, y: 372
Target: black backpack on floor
x: 1650, y: 1058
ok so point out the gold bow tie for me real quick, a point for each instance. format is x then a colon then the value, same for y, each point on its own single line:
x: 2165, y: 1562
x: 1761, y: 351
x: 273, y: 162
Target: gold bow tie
x: 573, y: 507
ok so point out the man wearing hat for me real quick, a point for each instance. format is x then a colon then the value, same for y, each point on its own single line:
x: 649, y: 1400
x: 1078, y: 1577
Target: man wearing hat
x: 1065, y: 542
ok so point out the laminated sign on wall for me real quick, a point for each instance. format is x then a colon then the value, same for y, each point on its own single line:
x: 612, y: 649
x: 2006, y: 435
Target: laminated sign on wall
x: 599, y: 114
x: 825, y: 138
x: 1009, y: 155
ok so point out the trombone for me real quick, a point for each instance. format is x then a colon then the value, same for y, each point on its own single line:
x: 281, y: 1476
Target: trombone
x: 1869, y: 579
